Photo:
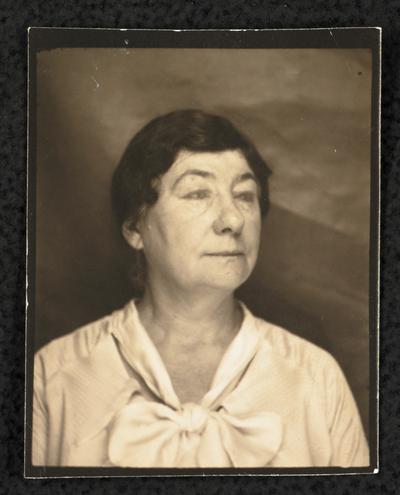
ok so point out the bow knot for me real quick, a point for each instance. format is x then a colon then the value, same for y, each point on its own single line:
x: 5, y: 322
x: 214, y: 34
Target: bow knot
x: 193, y: 418
x: 151, y: 434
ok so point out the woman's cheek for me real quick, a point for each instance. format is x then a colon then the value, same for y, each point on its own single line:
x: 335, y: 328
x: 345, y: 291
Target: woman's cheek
x: 196, y: 208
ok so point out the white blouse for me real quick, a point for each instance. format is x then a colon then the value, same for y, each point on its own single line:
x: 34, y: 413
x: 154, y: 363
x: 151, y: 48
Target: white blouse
x: 102, y: 397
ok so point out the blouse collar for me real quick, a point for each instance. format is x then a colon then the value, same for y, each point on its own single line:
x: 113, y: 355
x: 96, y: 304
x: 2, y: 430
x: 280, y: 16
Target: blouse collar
x: 209, y: 434
x: 141, y: 353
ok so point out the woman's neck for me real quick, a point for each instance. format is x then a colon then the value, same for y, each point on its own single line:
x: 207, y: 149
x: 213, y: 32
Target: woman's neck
x: 189, y: 319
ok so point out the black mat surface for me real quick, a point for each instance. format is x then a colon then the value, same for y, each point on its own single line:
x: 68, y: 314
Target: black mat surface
x: 15, y: 17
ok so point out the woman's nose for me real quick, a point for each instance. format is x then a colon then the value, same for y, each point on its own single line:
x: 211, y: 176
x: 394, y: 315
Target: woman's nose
x: 229, y: 219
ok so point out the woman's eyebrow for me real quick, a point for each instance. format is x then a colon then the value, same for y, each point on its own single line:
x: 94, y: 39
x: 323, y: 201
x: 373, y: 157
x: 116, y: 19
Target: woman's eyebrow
x: 244, y: 177
x: 194, y: 171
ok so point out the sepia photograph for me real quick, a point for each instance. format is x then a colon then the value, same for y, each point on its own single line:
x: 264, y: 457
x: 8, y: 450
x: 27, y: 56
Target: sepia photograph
x: 203, y: 252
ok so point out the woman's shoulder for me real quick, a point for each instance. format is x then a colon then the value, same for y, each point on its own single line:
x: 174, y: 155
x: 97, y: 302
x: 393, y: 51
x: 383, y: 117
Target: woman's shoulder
x: 74, y: 346
x: 298, y: 352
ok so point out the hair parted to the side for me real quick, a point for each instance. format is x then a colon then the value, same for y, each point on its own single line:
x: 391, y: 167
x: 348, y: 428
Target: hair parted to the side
x: 152, y: 151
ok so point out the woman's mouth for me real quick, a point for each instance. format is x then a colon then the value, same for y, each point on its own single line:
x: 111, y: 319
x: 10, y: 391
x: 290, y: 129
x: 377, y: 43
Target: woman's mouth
x: 226, y: 253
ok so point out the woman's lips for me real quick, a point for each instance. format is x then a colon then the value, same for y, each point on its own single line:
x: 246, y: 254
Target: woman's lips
x: 226, y: 253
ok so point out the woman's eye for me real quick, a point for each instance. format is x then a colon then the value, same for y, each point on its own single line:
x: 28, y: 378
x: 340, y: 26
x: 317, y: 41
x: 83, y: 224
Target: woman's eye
x: 248, y: 196
x: 200, y: 194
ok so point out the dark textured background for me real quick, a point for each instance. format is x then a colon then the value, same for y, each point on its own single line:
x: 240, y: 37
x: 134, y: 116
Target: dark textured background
x: 15, y: 18
x: 309, y: 113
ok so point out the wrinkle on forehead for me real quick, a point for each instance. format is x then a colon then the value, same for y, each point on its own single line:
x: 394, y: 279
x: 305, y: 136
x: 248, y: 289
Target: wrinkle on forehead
x: 184, y: 155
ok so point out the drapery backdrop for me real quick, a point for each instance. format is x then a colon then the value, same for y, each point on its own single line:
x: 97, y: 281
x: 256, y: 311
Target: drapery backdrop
x: 307, y: 111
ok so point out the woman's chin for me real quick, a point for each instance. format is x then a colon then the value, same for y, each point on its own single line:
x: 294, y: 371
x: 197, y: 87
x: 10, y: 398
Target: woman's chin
x: 227, y: 282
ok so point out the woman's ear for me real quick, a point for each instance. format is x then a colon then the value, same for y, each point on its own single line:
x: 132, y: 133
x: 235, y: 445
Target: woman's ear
x: 132, y: 235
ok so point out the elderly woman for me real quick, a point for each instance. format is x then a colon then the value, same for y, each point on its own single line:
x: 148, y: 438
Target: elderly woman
x: 185, y: 375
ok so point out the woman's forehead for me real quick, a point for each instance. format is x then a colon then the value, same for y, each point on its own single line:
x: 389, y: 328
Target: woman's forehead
x: 224, y: 164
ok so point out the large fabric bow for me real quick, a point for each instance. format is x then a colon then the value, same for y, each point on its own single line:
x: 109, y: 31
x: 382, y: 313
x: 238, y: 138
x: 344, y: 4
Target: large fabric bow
x: 151, y: 434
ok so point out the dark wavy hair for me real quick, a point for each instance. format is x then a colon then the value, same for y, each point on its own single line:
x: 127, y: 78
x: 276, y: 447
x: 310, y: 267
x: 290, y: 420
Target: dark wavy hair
x: 152, y: 151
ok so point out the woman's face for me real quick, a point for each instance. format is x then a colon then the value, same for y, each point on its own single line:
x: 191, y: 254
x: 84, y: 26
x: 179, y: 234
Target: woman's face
x: 204, y: 229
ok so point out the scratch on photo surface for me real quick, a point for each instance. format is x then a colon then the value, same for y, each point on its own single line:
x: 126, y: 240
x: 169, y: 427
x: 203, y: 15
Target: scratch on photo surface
x: 337, y: 46
x: 333, y: 37
x: 97, y: 84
